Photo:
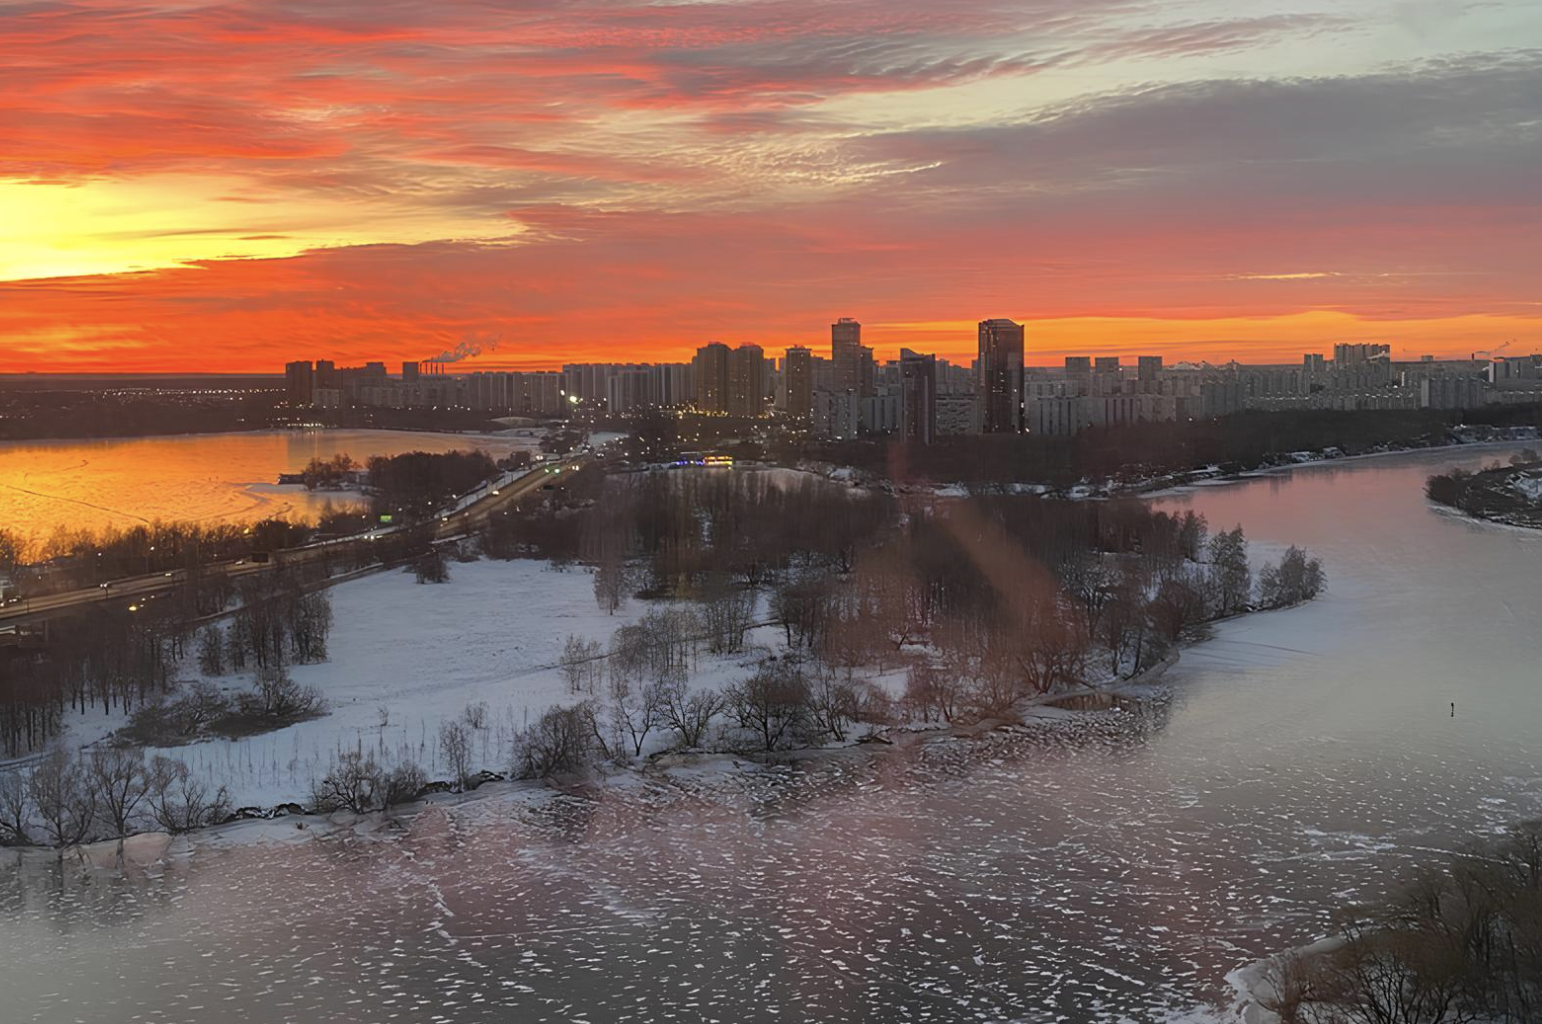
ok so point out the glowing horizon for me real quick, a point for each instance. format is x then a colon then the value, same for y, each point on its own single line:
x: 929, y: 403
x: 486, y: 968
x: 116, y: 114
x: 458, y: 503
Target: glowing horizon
x: 224, y: 187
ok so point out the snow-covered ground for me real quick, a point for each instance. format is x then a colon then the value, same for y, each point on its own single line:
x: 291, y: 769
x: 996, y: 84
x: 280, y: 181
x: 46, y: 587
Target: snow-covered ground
x: 406, y: 658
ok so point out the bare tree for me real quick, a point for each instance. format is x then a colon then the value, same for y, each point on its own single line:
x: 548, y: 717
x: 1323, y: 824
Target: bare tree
x: 180, y: 801
x: 610, y: 582
x: 15, y: 809
x: 772, y: 705
x: 727, y: 612
x: 119, y: 783
x: 933, y: 691
x: 690, y: 714
x: 275, y: 694
x: 63, y: 800
x: 560, y: 741
x: 211, y: 651
x: 636, y: 709
x: 200, y: 704
x: 455, y: 745
x: 403, y: 783
x: 580, y: 663
x: 833, y: 702
x: 355, y: 783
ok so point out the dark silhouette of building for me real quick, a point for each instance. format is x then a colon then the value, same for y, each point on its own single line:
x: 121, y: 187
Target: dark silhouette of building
x: 799, y: 370
x: 711, y: 371
x: 747, y: 381
x: 918, y: 396
x: 411, y: 371
x: 846, y: 354
x: 1000, y: 371
x: 300, y: 383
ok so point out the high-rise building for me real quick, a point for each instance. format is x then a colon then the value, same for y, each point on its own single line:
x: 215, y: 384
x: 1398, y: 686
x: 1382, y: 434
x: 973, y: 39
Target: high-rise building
x: 1000, y: 370
x: 300, y: 383
x: 326, y: 374
x: 1355, y: 354
x: 918, y: 396
x: 411, y: 371
x: 1106, y: 364
x: 1078, y: 366
x: 798, y: 368
x: 710, y: 368
x: 747, y: 381
x: 846, y: 354
x: 1148, y: 368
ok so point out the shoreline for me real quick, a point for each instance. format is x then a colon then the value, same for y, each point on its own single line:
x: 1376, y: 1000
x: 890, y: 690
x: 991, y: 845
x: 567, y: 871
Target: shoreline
x: 291, y: 822
x: 1326, y: 461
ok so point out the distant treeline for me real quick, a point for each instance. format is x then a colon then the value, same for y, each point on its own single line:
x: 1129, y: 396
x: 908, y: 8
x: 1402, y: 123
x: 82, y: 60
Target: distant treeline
x: 1245, y: 441
x: 28, y: 415
x: 411, y: 487
x: 31, y: 411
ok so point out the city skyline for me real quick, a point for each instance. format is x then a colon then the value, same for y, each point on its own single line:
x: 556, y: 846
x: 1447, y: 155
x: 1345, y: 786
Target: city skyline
x: 223, y: 187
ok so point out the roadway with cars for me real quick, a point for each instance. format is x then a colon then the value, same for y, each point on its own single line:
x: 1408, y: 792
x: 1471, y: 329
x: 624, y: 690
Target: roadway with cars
x: 469, y: 512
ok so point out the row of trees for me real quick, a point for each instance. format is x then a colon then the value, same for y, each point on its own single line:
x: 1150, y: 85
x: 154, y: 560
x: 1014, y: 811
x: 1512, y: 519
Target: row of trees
x: 77, y: 557
x: 119, y: 657
x: 109, y: 793
x: 1246, y: 440
x: 783, y: 704
x: 415, y: 485
x: 1461, y: 944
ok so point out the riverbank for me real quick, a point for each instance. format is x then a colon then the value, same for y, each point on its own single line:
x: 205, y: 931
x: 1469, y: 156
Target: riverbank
x: 1507, y: 495
x: 693, y: 774
x: 1306, y: 760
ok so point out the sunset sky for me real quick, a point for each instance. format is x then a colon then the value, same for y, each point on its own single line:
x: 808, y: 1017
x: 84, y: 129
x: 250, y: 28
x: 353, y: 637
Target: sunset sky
x: 227, y: 186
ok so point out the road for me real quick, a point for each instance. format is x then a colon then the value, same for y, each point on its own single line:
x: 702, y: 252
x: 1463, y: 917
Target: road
x: 469, y: 512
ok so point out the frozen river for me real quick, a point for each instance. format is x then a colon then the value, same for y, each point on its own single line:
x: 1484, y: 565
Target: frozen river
x: 1113, y: 871
x: 120, y: 483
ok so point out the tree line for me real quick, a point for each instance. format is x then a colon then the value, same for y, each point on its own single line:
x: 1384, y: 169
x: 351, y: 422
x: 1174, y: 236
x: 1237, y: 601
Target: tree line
x: 1459, y: 944
x: 123, y: 658
x: 983, y: 602
x: 1243, y: 441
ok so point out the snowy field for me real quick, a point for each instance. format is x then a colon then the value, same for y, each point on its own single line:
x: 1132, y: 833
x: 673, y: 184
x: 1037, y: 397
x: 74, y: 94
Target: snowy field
x: 406, y: 658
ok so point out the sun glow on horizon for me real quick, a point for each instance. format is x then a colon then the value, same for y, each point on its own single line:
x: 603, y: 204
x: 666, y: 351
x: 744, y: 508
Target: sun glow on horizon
x: 269, y: 181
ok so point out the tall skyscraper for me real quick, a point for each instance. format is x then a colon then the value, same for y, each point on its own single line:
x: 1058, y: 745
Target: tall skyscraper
x: 918, y: 396
x: 710, y: 368
x: 799, y: 370
x: 1000, y: 369
x: 846, y: 354
x: 1148, y: 368
x: 300, y: 383
x: 747, y: 381
x: 412, y: 371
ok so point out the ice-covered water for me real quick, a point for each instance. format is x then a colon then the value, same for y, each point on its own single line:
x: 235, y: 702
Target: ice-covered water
x: 1112, y: 868
x: 200, y: 478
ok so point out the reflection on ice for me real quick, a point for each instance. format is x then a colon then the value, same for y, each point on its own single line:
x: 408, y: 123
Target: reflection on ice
x: 1109, y: 866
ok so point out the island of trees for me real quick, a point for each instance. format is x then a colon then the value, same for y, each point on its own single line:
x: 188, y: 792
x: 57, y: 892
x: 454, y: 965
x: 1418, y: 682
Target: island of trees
x: 1509, y: 494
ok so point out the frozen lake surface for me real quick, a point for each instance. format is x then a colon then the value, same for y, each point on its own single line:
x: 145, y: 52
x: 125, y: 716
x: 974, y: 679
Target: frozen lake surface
x: 198, y: 477
x: 1112, y: 869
